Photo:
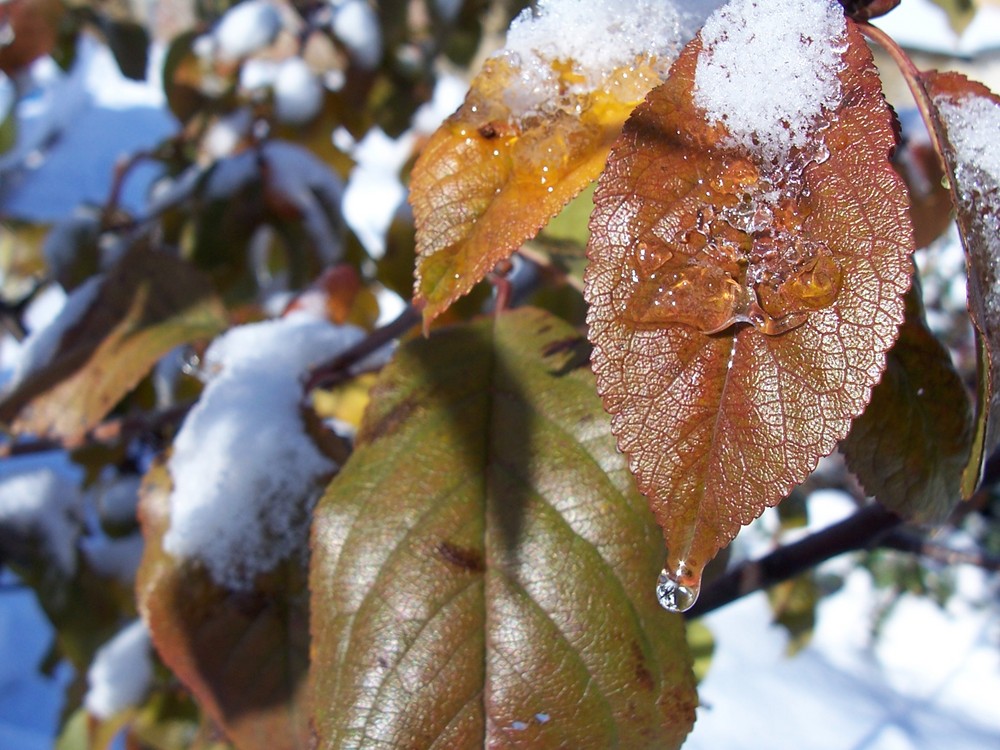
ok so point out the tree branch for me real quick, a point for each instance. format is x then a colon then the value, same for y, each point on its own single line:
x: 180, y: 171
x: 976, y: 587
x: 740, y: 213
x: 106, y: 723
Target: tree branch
x: 862, y: 530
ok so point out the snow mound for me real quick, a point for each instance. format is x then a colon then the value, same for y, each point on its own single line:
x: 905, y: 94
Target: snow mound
x: 767, y: 71
x: 245, y: 472
x: 598, y: 37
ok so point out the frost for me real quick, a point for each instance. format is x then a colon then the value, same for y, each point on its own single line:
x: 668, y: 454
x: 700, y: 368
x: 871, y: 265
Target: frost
x: 121, y: 672
x: 356, y: 24
x: 598, y: 37
x: 973, y: 123
x: 298, y: 94
x: 41, y: 504
x: 767, y: 71
x: 41, y: 345
x: 245, y: 472
x: 247, y: 28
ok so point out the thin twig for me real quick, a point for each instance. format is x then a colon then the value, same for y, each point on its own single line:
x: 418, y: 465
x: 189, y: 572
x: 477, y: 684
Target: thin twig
x: 918, y: 544
x: 337, y: 369
x: 109, y: 431
x: 861, y: 530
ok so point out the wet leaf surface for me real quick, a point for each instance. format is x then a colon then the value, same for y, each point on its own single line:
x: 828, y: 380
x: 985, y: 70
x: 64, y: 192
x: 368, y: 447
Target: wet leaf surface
x: 910, y: 446
x: 487, y: 180
x: 483, y: 568
x: 244, y: 656
x: 149, y: 303
x: 732, y: 357
x: 976, y: 194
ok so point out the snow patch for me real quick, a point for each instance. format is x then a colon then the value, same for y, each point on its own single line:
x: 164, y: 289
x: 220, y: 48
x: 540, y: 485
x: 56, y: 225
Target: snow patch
x: 598, y: 37
x: 40, y: 503
x: 767, y: 71
x: 247, y: 28
x: 246, y: 474
x: 298, y: 93
x: 356, y: 24
x: 973, y: 123
x: 121, y: 672
x: 41, y: 345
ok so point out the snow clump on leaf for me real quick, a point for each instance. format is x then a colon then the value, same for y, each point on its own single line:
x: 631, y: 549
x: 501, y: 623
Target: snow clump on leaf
x: 246, y: 473
x: 597, y: 38
x: 795, y: 48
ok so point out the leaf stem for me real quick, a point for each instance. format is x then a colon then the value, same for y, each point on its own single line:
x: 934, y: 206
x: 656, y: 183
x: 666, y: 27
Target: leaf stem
x: 913, y: 78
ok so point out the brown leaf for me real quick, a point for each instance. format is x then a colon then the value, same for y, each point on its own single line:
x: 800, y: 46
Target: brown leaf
x: 34, y: 26
x: 718, y: 426
x: 910, y: 446
x: 149, y: 303
x: 487, y: 180
x: 966, y: 115
x: 243, y: 655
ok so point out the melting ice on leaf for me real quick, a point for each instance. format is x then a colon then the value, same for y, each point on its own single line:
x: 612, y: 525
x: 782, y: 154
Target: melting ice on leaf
x: 967, y: 117
x: 535, y: 130
x: 748, y: 258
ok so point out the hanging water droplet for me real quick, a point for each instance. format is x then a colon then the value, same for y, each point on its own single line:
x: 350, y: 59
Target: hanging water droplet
x: 677, y: 591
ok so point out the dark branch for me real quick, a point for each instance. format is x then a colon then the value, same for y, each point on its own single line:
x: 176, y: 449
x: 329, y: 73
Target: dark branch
x: 862, y: 530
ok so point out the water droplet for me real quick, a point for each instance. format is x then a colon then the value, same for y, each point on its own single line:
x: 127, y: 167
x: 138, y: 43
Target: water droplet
x: 518, y: 726
x: 542, y: 718
x: 677, y: 591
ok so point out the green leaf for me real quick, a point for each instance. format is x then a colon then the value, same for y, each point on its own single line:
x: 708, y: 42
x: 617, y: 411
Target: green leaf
x: 910, y: 446
x: 960, y: 13
x: 483, y: 568
x: 149, y: 303
x: 8, y: 129
x: 243, y: 655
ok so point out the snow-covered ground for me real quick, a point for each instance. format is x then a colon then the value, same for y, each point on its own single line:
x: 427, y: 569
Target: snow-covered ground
x: 930, y: 680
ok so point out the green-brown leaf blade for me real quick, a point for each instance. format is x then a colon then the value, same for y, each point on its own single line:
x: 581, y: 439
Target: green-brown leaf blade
x: 505, y: 596
x: 149, y: 303
x: 910, y: 446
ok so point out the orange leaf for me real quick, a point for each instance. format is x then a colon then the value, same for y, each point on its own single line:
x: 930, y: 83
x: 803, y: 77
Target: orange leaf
x: 489, y: 179
x: 741, y: 315
x: 966, y: 115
